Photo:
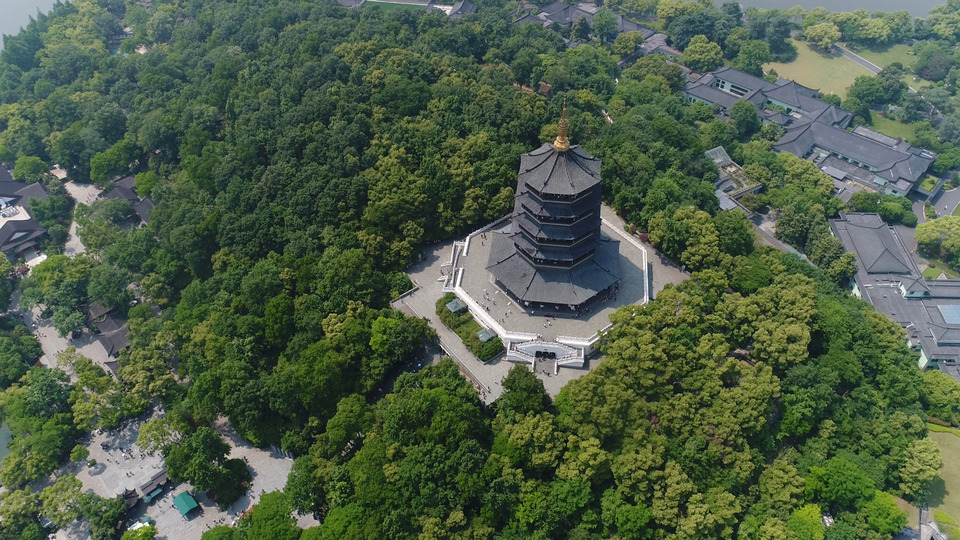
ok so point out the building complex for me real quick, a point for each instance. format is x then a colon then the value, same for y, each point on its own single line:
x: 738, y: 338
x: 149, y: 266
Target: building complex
x: 888, y: 277
x: 816, y: 130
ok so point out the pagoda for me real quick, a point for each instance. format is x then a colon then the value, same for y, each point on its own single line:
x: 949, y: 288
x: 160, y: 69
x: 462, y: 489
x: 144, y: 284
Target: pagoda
x: 553, y: 255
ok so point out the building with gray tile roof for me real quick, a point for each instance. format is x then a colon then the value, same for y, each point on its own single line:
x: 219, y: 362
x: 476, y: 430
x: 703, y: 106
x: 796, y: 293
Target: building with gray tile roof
x: 815, y: 130
x: 888, y: 278
x: 125, y: 189
x: 890, y: 167
x: 461, y: 8
x: 113, y: 335
x: 725, y: 86
x: 18, y: 230
x: 566, y: 14
x: 554, y: 253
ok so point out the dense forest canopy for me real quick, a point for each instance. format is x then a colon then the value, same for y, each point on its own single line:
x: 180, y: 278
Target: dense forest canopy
x: 301, y: 154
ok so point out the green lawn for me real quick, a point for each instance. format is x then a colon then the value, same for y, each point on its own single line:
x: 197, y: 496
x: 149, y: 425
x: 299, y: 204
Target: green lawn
x: 885, y: 55
x: 931, y: 273
x: 945, y: 492
x: 929, y: 183
x: 387, y: 7
x: 893, y: 127
x: 830, y: 73
x: 951, y: 273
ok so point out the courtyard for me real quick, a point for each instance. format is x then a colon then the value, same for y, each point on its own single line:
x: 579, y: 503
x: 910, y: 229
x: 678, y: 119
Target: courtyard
x: 431, y: 272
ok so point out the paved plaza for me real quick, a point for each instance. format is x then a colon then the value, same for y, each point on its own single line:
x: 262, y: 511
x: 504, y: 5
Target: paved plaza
x: 550, y: 323
x: 486, y: 377
x: 121, y: 465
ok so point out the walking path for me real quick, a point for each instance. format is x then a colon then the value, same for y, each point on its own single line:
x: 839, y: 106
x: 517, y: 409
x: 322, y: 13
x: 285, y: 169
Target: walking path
x: 857, y: 58
x: 863, y: 62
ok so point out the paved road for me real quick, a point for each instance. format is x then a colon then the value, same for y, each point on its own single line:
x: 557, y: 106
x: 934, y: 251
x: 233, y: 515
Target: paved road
x: 863, y: 62
x: 946, y: 201
x: 857, y: 58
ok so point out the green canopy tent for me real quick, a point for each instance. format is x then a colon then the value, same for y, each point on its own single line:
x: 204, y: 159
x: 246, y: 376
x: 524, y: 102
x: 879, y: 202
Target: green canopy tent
x: 185, y: 503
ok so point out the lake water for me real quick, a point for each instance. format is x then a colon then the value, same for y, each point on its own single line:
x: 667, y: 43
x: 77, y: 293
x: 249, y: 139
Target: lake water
x: 917, y: 8
x: 17, y: 13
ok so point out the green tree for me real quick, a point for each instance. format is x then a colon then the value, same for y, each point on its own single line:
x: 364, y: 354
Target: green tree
x: 941, y: 396
x: 30, y: 169
x: 883, y: 514
x: 20, y: 509
x: 580, y: 31
x: 702, y: 55
x: 604, y: 25
x: 61, y: 501
x: 146, y: 532
x: 752, y: 56
x: 806, y: 523
x: 743, y: 115
x: 626, y: 43
x: 921, y: 465
x: 272, y: 518
x: 108, y: 285
x: 199, y: 458
x: 79, y: 453
x: 840, y: 484
x: 523, y: 394
x: 824, y: 35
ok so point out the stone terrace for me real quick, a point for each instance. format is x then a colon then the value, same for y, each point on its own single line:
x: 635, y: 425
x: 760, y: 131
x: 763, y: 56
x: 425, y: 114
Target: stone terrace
x: 550, y: 323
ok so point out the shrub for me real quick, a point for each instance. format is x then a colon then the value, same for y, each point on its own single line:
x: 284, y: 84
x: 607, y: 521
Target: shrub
x: 466, y: 328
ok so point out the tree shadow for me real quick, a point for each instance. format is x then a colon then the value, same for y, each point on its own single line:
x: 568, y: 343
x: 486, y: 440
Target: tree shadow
x: 938, y: 491
x: 97, y: 469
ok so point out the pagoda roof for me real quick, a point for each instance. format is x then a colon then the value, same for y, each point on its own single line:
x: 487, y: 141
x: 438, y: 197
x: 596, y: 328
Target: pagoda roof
x: 550, y: 171
x: 552, y: 285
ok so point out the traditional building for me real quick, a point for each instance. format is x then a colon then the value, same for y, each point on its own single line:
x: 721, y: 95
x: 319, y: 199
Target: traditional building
x: 554, y: 255
x: 19, y: 232
x: 888, y: 277
x: 816, y: 130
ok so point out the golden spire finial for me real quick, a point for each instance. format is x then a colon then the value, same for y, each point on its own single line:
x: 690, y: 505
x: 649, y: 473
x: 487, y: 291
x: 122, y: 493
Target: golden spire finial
x: 561, y: 143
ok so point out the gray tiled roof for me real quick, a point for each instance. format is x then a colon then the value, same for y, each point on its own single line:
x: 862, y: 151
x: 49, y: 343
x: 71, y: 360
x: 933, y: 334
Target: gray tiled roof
x: 887, y: 162
x: 567, y: 14
x: 711, y: 94
x: 461, y: 8
x: 18, y: 235
x: 561, y: 173
x: 743, y: 79
x: 870, y: 240
x: 923, y: 315
x: 864, y: 131
x: 572, y: 286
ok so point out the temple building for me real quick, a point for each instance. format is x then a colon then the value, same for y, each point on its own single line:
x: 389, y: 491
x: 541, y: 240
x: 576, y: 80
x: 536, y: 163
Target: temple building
x: 554, y: 256
x: 546, y: 278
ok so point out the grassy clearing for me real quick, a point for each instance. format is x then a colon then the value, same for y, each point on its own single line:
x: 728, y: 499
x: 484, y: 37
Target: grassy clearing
x: 913, y: 513
x: 893, y: 127
x: 831, y: 73
x: 388, y: 7
x: 885, y: 55
x: 916, y: 82
x: 942, y: 429
x: 931, y: 273
x: 951, y: 273
x: 945, y: 492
